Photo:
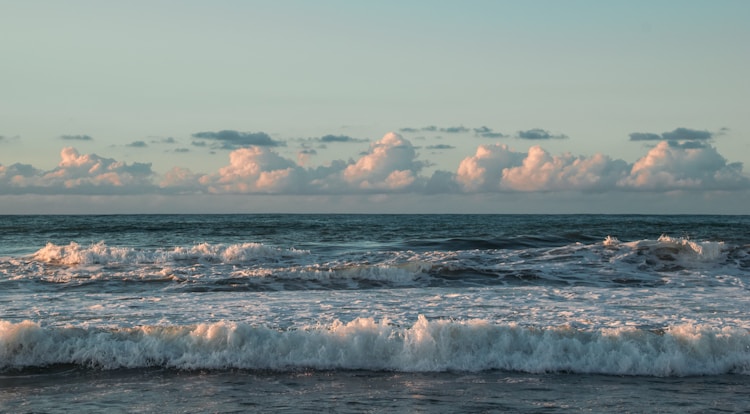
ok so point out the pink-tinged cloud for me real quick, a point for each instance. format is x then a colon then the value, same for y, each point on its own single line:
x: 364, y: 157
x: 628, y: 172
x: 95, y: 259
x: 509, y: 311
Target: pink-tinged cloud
x: 84, y: 174
x: 256, y: 170
x: 483, y: 172
x: 541, y: 171
x: 390, y: 166
x: 669, y: 166
x: 666, y: 167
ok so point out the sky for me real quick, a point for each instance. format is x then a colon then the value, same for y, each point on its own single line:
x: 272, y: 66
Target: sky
x: 374, y: 107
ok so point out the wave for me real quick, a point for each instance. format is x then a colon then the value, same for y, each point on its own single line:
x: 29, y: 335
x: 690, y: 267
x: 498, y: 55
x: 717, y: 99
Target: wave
x: 365, y: 344
x: 100, y: 253
x: 255, y: 266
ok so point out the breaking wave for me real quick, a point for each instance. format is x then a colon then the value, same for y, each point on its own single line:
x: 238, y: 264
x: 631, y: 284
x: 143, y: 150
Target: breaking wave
x: 366, y: 344
x: 256, y: 266
x: 101, y: 253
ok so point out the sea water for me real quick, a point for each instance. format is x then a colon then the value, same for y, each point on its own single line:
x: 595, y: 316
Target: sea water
x: 372, y: 313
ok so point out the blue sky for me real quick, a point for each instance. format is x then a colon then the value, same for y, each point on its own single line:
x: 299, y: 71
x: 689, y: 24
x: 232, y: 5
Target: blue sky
x: 344, y: 106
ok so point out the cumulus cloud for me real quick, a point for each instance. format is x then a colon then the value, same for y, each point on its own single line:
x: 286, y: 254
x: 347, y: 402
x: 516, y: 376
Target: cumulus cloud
x: 181, y: 180
x: 676, y: 167
x: 14, y: 178
x: 392, y: 165
x: 255, y: 170
x: 440, y: 147
x: 137, y: 144
x: 679, y: 134
x: 76, y: 137
x: 230, y: 140
x: 539, y: 134
x: 80, y: 174
x: 666, y: 167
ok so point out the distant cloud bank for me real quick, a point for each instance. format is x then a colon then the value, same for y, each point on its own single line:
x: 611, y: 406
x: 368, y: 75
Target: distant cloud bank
x: 392, y: 165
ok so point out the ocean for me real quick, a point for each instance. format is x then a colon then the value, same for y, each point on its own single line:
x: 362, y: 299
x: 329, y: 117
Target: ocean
x: 374, y: 313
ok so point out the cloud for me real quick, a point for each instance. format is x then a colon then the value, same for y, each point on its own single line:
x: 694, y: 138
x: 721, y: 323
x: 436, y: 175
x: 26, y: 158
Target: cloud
x: 486, y: 132
x: 256, y: 170
x: 392, y: 165
x: 230, y: 140
x: 678, y: 167
x: 5, y: 138
x: 327, y: 139
x: 645, y: 136
x: 13, y: 178
x: 483, y: 171
x: 455, y: 130
x: 304, y: 155
x: 76, y: 138
x: 79, y: 174
x: 539, y: 134
x: 137, y: 144
x: 432, y: 128
x: 440, y: 147
x: 666, y: 167
x: 168, y: 140
x: 181, y: 180
x: 679, y: 134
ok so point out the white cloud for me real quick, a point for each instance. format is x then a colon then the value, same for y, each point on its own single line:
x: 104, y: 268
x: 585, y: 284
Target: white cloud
x: 391, y: 165
x: 674, y: 167
x: 484, y: 171
x: 541, y: 171
x: 666, y: 167
x: 88, y: 174
x: 255, y: 170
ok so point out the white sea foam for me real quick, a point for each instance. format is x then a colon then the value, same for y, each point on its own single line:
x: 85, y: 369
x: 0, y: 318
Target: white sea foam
x: 363, y: 343
x: 394, y: 274
x: 101, y: 253
x: 702, y: 250
x: 611, y: 241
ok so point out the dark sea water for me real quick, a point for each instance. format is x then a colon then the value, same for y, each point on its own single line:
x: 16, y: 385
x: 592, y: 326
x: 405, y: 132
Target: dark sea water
x: 373, y: 313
